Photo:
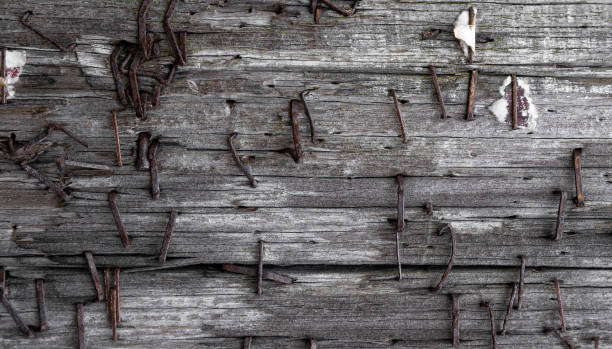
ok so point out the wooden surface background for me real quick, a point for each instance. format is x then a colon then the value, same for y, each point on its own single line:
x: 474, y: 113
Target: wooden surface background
x: 327, y: 221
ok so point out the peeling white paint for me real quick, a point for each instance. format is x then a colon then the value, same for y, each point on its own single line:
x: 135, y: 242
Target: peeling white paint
x: 15, y: 61
x: 500, y: 107
x: 464, y: 32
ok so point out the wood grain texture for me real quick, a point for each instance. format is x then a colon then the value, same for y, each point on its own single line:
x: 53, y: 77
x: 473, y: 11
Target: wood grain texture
x: 329, y: 221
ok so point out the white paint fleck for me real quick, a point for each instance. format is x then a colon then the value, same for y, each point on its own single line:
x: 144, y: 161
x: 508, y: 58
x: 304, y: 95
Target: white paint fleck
x: 464, y: 32
x: 15, y: 61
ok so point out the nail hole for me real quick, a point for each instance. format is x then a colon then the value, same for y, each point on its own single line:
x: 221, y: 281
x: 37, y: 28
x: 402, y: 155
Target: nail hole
x: 564, y: 253
x: 320, y: 140
x: 527, y: 178
x: 388, y: 147
x: 403, y: 101
x: 529, y: 133
x: 191, y: 13
x: 337, y: 133
x: 230, y: 102
x: 242, y: 25
x: 271, y: 86
x: 278, y: 9
x: 267, y: 134
x: 551, y: 111
x: 237, y: 57
x: 335, y: 83
x: 250, y: 10
x: 570, y: 233
x: 512, y: 217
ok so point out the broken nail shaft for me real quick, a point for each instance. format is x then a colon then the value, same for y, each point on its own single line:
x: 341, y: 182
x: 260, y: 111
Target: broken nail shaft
x: 514, y: 102
x: 239, y: 162
x: 260, y: 268
x: 456, y: 316
x: 167, y: 237
x: 434, y: 76
x: 560, y: 302
x: 471, y: 95
x: 117, y: 141
x: 509, y: 308
x: 112, y: 201
x: 80, y: 326
x: 293, y: 114
x: 310, y: 120
x: 560, y: 216
x: 399, y: 116
x: 521, y: 283
x: 451, y: 261
x: 579, y: 199
x: 155, y: 190
x: 94, y: 275
x: 400, y: 225
x: 3, y: 67
x: 117, y: 297
x: 25, y: 330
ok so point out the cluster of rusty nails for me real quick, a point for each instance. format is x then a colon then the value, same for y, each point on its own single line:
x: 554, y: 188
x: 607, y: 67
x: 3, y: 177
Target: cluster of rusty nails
x: 132, y: 55
x: 316, y: 10
x: 26, y: 153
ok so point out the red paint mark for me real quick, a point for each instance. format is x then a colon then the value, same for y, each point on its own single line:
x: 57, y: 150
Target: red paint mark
x: 12, y: 73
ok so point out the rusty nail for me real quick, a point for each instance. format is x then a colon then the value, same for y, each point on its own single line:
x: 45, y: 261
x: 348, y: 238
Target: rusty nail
x: 560, y: 302
x: 430, y: 34
x: 596, y: 342
x: 521, y: 283
x: 156, y: 96
x: 429, y: 208
x: 3, y: 279
x: 456, y: 316
x: 493, y: 326
x: 112, y: 201
x: 25, y: 330
x: 434, y: 77
x: 118, y: 297
x: 183, y: 45
x: 560, y: 216
x: 247, y: 342
x: 399, y: 116
x: 400, y: 225
x: 307, y: 110
x: 114, y: 313
x: 297, y: 152
x: 136, y: 101
x: 155, y: 191
x: 472, y: 19
x: 559, y: 334
x: 451, y: 261
x: 24, y: 21
x: 231, y: 268
x: 514, y: 102
x: 167, y: 236
x: 317, y: 15
x: 107, y: 291
x: 116, y: 76
x: 579, y: 199
x: 80, y: 326
x: 143, y: 38
x: 142, y: 158
x: 117, y: 141
x: 94, y: 275
x: 260, y: 268
x: 71, y: 135
x: 3, y: 67
x: 42, y: 305
x: 509, y: 308
x: 471, y: 95
x: 340, y: 9
x: 46, y: 181
x: 180, y: 60
x: 313, y: 5
x: 239, y: 162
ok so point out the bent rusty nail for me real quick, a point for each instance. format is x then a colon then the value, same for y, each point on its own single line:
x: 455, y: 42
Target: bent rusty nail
x: 400, y: 225
x: 472, y: 22
x: 112, y: 201
x: 25, y: 330
x: 340, y: 9
x: 521, y: 283
x: 167, y: 236
x: 80, y: 326
x: 142, y: 158
x: 560, y: 217
x: 239, y: 162
x: 116, y: 76
x: 180, y: 60
x: 560, y: 302
x: 579, y: 199
x: 29, y: 145
x: 247, y: 342
x: 3, y: 67
x: 155, y: 191
x: 434, y: 77
x: 117, y: 297
x: 313, y: 344
x: 24, y: 21
x: 117, y: 141
x: 509, y: 308
x: 560, y: 335
x: 260, y: 268
x: 310, y: 120
x: 514, y: 102
x: 399, y: 116
x: 456, y: 316
x: 46, y: 181
x: 469, y: 116
x: 297, y: 152
x: 107, y: 290
x: 451, y: 261
x: 143, y: 38
x: 231, y: 268
x: 94, y: 275
x: 493, y: 327
x: 42, y: 305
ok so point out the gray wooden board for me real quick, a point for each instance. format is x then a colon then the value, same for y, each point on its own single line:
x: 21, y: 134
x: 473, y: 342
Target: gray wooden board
x: 329, y: 221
